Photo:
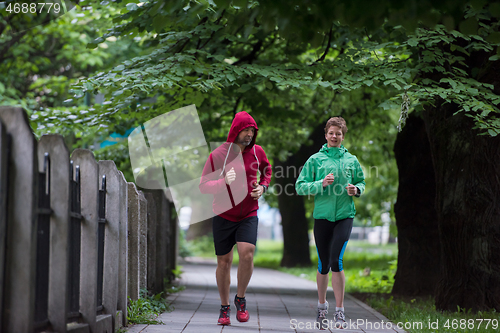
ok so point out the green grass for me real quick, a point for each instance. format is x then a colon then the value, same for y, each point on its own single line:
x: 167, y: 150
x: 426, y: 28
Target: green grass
x: 148, y: 307
x: 420, y: 315
x: 201, y: 247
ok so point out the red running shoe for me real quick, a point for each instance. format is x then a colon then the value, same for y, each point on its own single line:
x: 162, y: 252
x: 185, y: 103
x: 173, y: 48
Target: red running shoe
x: 241, y: 309
x: 224, y: 317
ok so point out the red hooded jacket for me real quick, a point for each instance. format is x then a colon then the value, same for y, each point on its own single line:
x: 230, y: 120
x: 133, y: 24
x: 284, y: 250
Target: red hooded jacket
x: 233, y: 202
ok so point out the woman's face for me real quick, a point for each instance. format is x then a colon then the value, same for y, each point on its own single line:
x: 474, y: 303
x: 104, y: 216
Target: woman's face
x: 334, y: 136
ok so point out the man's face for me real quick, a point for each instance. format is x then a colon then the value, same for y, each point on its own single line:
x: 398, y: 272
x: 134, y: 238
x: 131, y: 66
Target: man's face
x: 245, y: 136
x: 334, y: 136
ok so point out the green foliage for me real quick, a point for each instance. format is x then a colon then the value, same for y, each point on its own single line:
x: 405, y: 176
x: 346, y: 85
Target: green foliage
x: 184, y: 250
x: 177, y: 274
x: 202, y: 246
x: 376, y: 277
x: 147, y: 308
x: 446, y: 73
x: 120, y: 155
x: 154, y: 57
x: 38, y: 66
x: 222, y: 48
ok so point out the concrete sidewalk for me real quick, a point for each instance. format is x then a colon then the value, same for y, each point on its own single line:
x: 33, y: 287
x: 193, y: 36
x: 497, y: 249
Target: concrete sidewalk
x: 277, y: 302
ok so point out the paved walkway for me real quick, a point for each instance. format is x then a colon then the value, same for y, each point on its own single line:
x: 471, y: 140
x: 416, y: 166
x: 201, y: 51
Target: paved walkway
x: 277, y: 302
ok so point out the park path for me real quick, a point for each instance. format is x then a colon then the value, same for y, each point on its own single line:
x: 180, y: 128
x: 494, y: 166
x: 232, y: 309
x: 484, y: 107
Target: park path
x: 277, y: 302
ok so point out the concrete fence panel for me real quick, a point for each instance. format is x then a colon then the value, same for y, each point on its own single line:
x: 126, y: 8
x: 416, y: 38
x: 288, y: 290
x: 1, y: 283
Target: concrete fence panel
x: 123, y: 251
x: 143, y: 241
x: 20, y: 260
x: 152, y: 220
x: 60, y: 204
x: 114, y: 199
x: 89, y: 173
x: 172, y: 234
x: 164, y: 262
x: 162, y: 244
x: 133, y: 241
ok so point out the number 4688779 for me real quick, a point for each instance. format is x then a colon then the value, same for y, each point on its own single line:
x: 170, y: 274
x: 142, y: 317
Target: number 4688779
x: 33, y: 8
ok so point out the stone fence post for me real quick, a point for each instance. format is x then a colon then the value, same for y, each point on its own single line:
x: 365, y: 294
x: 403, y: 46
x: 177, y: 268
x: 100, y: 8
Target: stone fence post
x: 152, y: 239
x: 60, y: 204
x: 143, y: 241
x: 114, y: 201
x: 89, y: 190
x: 164, y: 230
x: 122, y: 301
x: 133, y: 241
x: 20, y: 256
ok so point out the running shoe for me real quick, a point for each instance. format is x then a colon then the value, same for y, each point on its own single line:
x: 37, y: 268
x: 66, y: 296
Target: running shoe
x: 321, y: 318
x: 339, y: 319
x: 224, y: 317
x: 241, y: 309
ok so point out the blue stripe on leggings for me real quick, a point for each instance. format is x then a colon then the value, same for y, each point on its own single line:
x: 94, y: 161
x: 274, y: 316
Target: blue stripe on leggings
x: 341, y: 257
x: 320, y: 266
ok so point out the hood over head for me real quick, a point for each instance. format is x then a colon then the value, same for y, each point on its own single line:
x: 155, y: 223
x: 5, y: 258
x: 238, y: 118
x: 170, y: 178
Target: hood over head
x: 241, y: 121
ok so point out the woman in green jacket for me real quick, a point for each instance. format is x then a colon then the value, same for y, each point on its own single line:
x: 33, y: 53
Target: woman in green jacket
x: 334, y: 177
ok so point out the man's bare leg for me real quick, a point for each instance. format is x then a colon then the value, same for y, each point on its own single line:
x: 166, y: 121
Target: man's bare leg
x: 245, y: 267
x: 223, y: 276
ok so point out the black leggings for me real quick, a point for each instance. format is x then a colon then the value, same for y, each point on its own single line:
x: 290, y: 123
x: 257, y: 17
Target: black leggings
x: 331, y: 240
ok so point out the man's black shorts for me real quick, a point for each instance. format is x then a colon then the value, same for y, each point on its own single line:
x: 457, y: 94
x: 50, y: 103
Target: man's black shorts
x: 227, y: 233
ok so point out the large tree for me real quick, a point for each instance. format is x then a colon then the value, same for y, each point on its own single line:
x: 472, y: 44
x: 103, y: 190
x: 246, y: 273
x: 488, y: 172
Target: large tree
x: 461, y: 127
x: 419, y: 262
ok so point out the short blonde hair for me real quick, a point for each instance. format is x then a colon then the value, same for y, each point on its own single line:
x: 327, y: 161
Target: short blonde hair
x: 336, y: 121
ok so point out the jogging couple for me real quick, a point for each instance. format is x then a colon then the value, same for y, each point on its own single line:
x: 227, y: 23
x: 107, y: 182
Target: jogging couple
x: 238, y: 173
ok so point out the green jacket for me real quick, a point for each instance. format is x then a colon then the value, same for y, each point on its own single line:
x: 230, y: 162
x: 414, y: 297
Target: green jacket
x: 331, y: 202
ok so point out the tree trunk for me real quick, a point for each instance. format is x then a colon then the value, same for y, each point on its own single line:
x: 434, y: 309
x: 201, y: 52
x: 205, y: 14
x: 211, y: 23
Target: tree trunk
x: 201, y: 228
x: 467, y: 167
x: 198, y: 229
x: 293, y: 219
x: 416, y: 217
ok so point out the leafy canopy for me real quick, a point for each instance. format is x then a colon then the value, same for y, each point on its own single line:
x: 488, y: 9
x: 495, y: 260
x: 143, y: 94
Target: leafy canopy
x: 203, y: 46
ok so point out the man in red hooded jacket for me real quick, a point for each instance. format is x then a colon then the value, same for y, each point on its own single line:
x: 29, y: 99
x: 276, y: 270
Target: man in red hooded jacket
x: 230, y: 174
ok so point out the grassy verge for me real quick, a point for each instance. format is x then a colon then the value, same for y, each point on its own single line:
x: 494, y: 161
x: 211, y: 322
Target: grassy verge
x: 369, y: 274
x: 148, y: 307
x: 420, y: 315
